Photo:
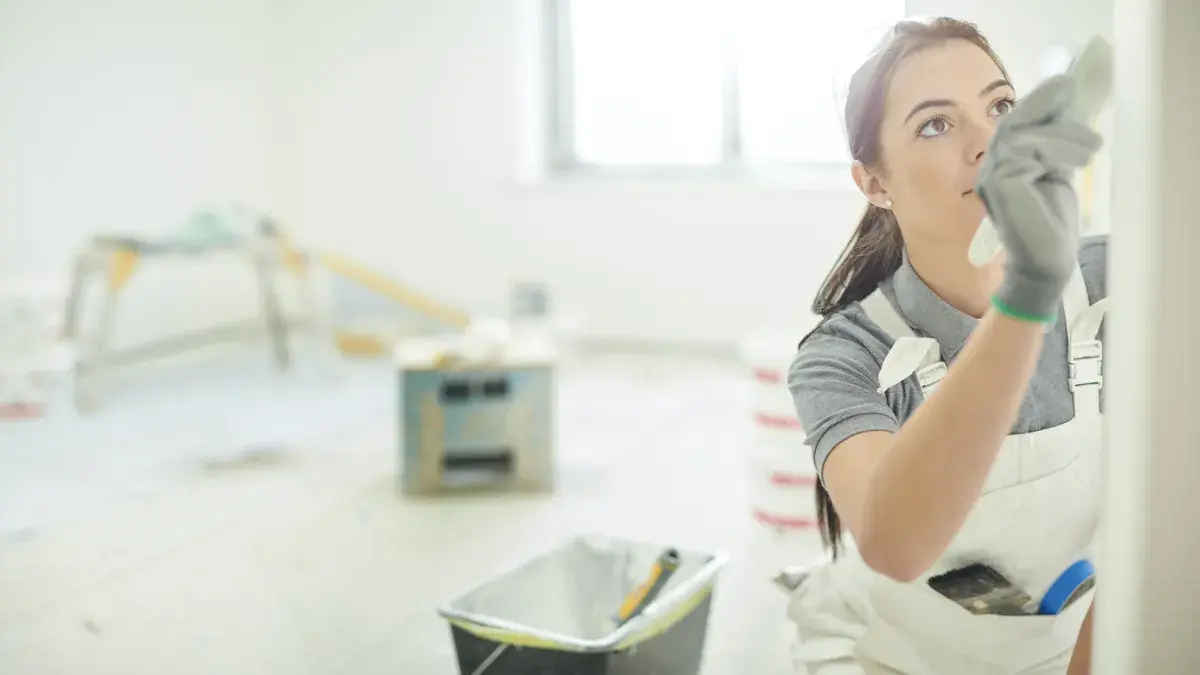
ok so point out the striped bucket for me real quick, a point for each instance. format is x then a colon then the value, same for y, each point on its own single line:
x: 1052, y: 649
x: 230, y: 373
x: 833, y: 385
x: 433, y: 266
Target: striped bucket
x: 782, y: 476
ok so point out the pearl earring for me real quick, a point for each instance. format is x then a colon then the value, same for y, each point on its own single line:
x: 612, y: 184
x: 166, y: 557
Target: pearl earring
x: 887, y: 204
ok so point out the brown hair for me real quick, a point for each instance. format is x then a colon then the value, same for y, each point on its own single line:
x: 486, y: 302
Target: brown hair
x: 876, y: 249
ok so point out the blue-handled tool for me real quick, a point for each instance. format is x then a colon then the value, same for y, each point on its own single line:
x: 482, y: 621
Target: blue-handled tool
x: 1068, y: 587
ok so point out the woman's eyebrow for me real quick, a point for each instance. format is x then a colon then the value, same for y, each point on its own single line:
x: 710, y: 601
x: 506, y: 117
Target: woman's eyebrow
x: 995, y: 85
x: 931, y: 103
x: 945, y: 102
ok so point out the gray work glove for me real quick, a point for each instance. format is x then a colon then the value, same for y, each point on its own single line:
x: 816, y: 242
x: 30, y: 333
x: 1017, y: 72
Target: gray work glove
x: 1025, y: 183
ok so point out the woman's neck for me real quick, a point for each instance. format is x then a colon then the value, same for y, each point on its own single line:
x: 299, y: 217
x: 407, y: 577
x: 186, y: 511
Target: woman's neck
x: 953, y: 278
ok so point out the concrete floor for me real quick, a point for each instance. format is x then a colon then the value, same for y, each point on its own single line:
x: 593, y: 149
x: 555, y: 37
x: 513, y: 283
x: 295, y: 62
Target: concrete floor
x: 311, y: 563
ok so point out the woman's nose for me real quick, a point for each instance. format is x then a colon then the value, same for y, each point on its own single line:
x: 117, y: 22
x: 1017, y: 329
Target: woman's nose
x: 981, y: 133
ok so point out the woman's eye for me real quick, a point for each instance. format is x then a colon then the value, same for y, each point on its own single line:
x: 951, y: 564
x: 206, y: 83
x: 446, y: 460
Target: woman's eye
x: 934, y: 127
x: 1002, y: 107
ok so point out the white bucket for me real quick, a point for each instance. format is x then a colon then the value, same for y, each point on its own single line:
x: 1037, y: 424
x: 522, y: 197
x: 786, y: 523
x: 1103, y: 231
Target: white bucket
x: 778, y: 441
x: 766, y: 358
x: 782, y: 481
x: 772, y: 400
x: 790, y: 460
x: 782, y: 485
x: 777, y: 430
x: 781, y: 474
x: 783, y: 501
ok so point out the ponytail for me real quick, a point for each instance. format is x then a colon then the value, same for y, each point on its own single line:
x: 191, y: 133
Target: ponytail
x: 874, y: 254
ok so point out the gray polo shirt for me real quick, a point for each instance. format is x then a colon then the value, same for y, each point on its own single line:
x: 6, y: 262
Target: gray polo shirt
x: 834, y: 376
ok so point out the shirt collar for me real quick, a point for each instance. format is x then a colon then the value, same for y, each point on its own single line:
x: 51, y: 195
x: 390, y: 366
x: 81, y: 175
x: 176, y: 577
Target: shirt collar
x: 927, y: 313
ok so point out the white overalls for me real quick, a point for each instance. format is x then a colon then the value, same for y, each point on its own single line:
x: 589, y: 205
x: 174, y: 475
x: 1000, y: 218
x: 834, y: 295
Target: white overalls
x: 1037, y: 515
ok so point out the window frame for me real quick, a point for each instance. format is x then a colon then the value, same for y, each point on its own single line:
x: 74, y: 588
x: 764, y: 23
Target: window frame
x: 562, y: 159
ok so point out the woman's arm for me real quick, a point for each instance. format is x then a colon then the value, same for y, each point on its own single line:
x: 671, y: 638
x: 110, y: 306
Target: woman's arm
x: 904, y: 496
x: 1081, y: 658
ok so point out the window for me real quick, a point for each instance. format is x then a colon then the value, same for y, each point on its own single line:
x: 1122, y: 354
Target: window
x: 702, y: 83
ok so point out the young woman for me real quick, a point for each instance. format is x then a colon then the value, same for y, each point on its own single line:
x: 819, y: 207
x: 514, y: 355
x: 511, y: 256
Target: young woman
x: 953, y: 410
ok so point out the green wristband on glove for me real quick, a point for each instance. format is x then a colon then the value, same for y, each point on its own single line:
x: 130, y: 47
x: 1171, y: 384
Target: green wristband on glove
x: 1009, y: 311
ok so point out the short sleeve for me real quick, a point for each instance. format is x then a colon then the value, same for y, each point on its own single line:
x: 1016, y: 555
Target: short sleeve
x: 834, y: 385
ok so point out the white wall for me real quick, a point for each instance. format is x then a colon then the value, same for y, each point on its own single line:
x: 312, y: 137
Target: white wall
x: 393, y: 131
x: 405, y: 154
x: 1149, y: 602
x: 128, y: 114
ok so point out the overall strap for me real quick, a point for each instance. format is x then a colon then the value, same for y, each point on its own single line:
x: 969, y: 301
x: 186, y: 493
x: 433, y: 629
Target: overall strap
x: 879, y: 309
x: 1075, y: 297
x: 1085, y: 354
x: 910, y: 354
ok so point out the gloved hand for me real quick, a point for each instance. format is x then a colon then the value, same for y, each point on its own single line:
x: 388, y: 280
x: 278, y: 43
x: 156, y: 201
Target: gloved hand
x: 1025, y: 184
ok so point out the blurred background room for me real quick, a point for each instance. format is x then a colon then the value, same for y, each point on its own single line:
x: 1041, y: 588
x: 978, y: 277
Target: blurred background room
x: 315, y: 316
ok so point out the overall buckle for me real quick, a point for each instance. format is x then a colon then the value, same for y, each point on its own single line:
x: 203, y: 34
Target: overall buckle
x: 1085, y: 363
x: 931, y: 375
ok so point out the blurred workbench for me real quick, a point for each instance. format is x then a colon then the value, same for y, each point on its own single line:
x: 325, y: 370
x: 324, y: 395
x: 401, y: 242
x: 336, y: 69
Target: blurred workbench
x: 113, y: 260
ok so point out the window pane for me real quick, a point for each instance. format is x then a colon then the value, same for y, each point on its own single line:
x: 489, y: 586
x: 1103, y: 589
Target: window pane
x: 647, y: 81
x: 788, y: 54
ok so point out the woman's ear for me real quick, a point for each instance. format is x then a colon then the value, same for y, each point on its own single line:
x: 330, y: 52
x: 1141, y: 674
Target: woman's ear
x: 868, y: 183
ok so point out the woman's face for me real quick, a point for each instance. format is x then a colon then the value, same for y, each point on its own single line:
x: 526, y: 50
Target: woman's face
x: 941, y: 110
